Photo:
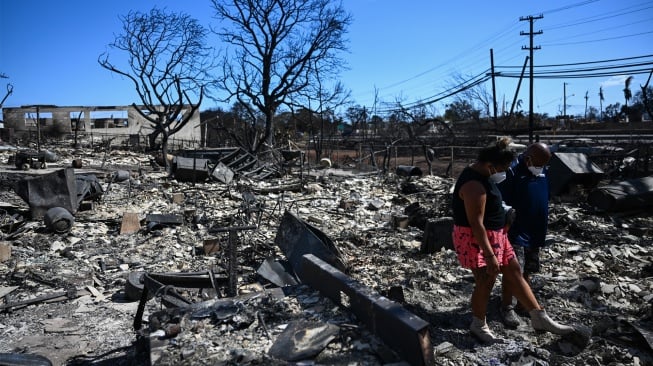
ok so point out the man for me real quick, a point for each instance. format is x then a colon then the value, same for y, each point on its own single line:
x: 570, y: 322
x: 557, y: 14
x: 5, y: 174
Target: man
x: 526, y: 189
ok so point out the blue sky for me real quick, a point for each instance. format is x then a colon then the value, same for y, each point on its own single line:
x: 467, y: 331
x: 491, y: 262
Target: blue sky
x: 402, y: 50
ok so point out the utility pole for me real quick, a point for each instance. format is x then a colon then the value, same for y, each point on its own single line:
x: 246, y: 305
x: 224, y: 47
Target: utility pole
x: 530, y: 34
x: 586, y: 98
x: 564, y: 103
x: 494, y: 90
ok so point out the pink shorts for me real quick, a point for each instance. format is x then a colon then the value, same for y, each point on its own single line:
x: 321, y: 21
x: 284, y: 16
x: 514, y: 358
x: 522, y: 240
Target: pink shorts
x: 469, y: 252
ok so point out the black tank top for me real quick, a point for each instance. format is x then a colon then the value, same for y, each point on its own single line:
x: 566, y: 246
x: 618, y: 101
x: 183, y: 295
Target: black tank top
x: 494, y: 218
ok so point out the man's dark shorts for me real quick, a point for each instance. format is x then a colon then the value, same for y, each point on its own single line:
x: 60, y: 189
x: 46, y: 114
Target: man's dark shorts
x: 528, y: 258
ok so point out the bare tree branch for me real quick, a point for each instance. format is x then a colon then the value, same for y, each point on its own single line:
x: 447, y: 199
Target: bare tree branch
x: 276, y: 49
x: 168, y: 64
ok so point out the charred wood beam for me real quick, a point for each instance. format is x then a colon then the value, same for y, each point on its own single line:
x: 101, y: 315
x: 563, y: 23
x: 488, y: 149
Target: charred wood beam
x: 405, y: 332
x: 70, y: 293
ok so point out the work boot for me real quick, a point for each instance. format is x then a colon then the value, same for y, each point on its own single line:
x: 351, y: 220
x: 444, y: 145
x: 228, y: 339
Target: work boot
x: 541, y: 321
x: 480, y: 330
x: 509, y: 316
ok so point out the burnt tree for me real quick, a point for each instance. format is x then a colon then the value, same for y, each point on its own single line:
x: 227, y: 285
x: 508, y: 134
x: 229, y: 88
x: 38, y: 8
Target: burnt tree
x: 275, y: 48
x: 168, y: 63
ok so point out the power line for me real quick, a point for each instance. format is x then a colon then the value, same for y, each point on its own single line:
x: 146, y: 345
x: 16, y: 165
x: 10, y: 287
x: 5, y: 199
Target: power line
x: 597, y: 40
x: 585, y: 62
x: 465, y: 85
x: 630, y: 24
x: 588, y: 75
x: 599, y: 17
x: 464, y: 60
x: 590, y: 69
x: 448, y: 61
x: 582, y: 3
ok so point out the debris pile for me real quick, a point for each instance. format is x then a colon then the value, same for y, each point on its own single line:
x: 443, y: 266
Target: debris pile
x: 322, y: 265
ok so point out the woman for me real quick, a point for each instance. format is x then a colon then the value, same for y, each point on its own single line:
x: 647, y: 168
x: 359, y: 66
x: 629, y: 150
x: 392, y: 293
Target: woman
x: 482, y: 244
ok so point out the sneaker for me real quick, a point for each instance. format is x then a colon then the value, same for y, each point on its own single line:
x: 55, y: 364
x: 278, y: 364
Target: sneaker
x: 509, y: 317
x: 480, y: 330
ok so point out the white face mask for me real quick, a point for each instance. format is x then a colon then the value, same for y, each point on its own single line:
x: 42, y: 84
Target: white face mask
x: 498, y: 177
x: 536, y: 170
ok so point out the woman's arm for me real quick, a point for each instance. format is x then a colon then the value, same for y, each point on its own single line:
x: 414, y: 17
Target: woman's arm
x: 474, y: 196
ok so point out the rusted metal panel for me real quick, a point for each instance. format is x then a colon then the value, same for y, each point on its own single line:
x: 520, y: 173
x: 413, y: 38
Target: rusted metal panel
x: 567, y: 169
x: 400, y: 329
x: 277, y: 273
x: 190, y: 169
x: 56, y: 189
x: 296, y: 238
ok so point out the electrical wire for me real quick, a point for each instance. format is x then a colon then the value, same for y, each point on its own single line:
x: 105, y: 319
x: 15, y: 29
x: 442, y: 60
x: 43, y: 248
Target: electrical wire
x: 603, y: 16
x: 595, y: 40
x: 464, y: 60
x: 582, y: 63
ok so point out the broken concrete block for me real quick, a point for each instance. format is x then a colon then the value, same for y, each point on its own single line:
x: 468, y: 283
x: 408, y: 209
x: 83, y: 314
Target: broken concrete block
x: 375, y: 204
x: 347, y: 204
x: 130, y: 223
x: 400, y: 221
x: 211, y: 245
x: 223, y: 173
x: 178, y: 197
x: 5, y: 252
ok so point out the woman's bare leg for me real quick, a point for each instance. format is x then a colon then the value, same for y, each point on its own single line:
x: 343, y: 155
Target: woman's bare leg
x: 483, y: 284
x: 517, y: 286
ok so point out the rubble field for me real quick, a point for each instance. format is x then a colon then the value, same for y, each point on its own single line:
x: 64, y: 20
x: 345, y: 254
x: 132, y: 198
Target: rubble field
x: 72, y: 295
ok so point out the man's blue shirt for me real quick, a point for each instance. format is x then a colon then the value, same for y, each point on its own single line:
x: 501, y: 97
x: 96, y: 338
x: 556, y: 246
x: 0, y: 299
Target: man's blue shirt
x: 529, y: 196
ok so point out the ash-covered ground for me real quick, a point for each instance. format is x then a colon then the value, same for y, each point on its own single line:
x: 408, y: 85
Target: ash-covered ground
x: 596, y: 274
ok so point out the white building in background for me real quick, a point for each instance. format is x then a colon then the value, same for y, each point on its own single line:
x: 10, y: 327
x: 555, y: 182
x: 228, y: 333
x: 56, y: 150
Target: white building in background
x: 119, y: 122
